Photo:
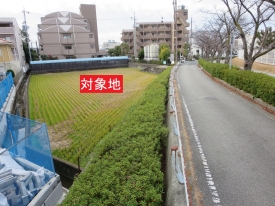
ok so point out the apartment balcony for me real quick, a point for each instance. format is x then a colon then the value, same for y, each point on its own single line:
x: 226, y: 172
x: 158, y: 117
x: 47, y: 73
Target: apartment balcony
x: 153, y: 29
x: 181, y: 42
x: 6, y: 30
x: 68, y: 51
x: 162, y: 42
x: 67, y: 41
x: 162, y: 35
x: 123, y: 38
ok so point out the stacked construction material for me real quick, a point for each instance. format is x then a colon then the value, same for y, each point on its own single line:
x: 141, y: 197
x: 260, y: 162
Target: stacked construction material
x: 18, y: 185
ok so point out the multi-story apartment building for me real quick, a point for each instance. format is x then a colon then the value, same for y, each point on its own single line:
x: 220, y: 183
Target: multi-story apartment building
x: 68, y: 35
x: 10, y: 31
x: 6, y: 55
x: 158, y: 32
x: 110, y: 44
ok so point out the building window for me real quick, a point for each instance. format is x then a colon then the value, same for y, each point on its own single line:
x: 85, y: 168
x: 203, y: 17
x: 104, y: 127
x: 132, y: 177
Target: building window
x: 91, y: 35
x: 92, y: 46
x: 5, y: 25
x: 85, y: 20
x: 68, y: 47
x: 66, y: 36
x: 87, y: 27
x: 185, y: 13
x: 0, y: 52
x: 8, y: 38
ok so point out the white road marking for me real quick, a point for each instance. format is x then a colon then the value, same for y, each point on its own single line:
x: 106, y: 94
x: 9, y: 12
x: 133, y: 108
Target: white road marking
x: 209, y: 179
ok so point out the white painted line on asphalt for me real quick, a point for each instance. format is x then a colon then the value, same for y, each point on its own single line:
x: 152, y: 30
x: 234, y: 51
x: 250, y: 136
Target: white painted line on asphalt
x: 209, y: 179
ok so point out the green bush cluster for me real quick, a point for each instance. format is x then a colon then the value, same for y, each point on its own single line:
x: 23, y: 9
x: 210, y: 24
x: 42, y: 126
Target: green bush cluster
x: 160, y: 62
x: 257, y: 84
x: 126, y: 165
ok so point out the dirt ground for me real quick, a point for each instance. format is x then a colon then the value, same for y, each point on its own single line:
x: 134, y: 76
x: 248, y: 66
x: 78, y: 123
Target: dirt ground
x: 256, y: 66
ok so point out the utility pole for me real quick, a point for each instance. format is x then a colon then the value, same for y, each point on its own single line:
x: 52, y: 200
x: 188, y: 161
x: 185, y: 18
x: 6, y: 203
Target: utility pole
x: 37, y: 50
x: 176, y: 30
x: 26, y: 26
x: 135, y: 36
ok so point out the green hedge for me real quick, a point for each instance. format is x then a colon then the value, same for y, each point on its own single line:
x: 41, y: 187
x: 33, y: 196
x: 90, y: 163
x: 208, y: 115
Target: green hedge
x: 257, y: 84
x: 126, y: 164
x: 160, y: 62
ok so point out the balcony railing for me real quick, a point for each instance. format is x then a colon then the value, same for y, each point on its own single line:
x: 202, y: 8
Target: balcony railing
x: 67, y: 41
x: 68, y: 51
x: 6, y: 30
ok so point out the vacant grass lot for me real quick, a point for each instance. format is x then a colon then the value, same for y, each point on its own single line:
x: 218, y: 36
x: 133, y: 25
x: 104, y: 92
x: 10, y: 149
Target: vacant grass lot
x: 77, y: 122
x: 256, y: 66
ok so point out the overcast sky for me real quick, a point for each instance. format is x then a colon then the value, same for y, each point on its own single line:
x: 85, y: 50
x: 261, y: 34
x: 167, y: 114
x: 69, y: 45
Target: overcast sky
x: 112, y: 15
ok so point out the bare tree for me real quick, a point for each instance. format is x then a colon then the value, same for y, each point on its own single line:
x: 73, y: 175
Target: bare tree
x: 270, y: 1
x: 249, y: 16
x: 205, y: 39
x: 227, y: 29
x: 214, y: 37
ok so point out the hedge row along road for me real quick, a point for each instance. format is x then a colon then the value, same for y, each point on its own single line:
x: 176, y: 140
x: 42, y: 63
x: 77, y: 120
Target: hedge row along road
x: 77, y: 122
x: 126, y: 164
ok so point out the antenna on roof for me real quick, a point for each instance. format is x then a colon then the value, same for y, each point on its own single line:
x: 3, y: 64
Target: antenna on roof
x: 162, y: 19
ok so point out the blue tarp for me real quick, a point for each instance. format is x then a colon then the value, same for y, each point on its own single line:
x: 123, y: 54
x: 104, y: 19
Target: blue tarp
x: 5, y: 87
x: 24, y: 146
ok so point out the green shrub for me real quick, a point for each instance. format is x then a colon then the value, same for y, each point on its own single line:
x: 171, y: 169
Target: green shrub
x: 126, y: 164
x: 257, y: 84
x: 12, y: 73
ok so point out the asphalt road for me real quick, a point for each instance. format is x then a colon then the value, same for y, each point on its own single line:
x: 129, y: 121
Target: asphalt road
x: 233, y: 142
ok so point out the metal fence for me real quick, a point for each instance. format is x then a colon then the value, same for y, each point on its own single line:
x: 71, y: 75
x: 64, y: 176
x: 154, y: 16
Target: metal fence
x: 268, y: 58
x: 5, y: 87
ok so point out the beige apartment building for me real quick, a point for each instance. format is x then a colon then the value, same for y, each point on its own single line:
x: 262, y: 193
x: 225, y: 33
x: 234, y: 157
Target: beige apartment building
x: 67, y: 35
x: 10, y: 31
x: 158, y: 32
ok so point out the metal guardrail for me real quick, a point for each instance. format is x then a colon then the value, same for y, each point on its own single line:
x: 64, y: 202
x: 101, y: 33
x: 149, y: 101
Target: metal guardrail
x: 177, y: 160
